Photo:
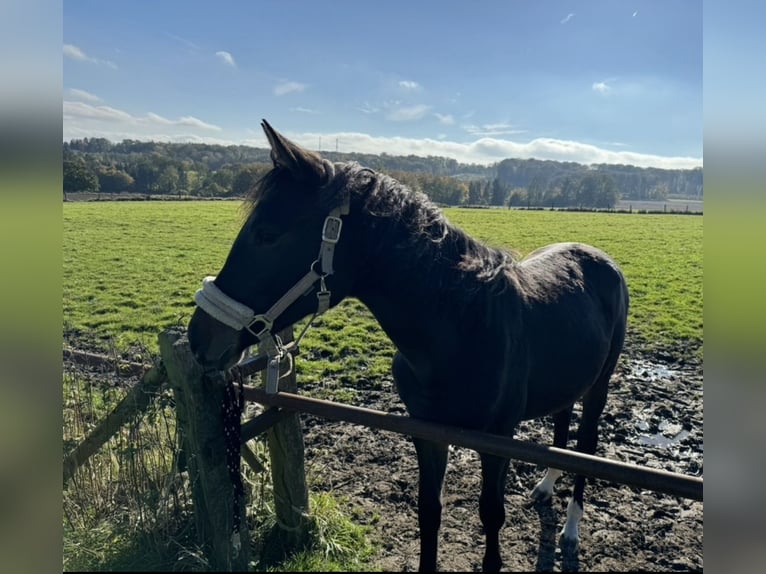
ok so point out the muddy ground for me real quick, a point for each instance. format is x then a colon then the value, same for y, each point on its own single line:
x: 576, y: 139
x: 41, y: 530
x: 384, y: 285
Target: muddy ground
x: 653, y: 417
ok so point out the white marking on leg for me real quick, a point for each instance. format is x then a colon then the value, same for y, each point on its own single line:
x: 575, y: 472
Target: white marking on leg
x: 544, y: 488
x: 571, y: 531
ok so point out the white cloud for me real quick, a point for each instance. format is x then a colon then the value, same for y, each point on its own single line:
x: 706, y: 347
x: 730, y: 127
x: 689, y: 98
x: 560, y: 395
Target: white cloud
x: 286, y: 87
x: 408, y: 114
x: 409, y: 85
x: 82, y: 115
x: 158, y: 119
x: 226, y: 58
x: 73, y: 52
x: 78, y: 132
x: 601, y: 87
x: 190, y: 121
x: 496, y: 129
x: 304, y: 110
x: 188, y: 43
x: 567, y: 18
x: 445, y: 119
x: 103, y: 113
x: 367, y: 108
x: 196, y: 123
x: 490, y: 150
x: 86, y: 120
x: 635, y: 13
x: 83, y: 95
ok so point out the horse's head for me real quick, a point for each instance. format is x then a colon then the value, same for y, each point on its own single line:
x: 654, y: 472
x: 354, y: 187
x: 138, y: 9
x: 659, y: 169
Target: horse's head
x: 281, y: 259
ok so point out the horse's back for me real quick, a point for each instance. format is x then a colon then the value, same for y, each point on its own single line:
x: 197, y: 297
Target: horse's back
x: 576, y: 304
x: 552, y: 274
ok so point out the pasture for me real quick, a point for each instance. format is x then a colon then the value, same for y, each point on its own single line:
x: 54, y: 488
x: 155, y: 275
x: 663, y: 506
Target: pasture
x: 131, y: 269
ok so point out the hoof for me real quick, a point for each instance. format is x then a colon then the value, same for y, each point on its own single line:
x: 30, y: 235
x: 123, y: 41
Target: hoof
x: 566, y: 543
x: 540, y: 495
x: 491, y: 564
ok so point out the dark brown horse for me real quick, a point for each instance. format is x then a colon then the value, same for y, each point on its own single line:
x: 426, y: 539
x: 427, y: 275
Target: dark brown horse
x: 483, y: 340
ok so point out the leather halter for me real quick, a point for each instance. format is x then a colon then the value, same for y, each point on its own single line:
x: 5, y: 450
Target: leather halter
x: 239, y: 316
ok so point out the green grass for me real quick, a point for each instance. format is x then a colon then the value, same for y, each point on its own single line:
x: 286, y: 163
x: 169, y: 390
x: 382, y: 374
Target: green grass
x: 660, y: 255
x: 131, y: 269
x: 337, y: 543
x: 128, y: 509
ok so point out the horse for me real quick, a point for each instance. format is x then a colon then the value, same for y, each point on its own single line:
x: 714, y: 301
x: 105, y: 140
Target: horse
x: 483, y: 338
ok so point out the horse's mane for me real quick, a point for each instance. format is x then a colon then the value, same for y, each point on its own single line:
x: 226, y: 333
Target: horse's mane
x: 433, y: 239
x: 411, y: 220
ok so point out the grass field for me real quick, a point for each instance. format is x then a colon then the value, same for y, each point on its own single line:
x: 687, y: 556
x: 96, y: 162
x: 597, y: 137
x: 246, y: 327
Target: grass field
x: 131, y: 269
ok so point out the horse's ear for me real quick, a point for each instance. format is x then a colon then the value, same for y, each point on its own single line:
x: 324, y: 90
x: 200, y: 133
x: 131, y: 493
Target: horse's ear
x: 303, y: 164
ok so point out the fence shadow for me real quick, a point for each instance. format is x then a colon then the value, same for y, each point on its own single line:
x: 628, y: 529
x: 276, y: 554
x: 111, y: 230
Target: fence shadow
x: 546, y: 549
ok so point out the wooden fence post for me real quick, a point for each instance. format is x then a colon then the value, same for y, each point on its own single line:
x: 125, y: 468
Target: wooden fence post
x: 200, y: 421
x: 291, y: 498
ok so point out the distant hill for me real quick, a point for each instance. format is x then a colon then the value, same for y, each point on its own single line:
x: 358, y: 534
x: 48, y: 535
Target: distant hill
x: 96, y: 164
x: 632, y: 182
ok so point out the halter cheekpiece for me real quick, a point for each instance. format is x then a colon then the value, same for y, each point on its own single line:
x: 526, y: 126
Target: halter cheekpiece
x: 239, y: 316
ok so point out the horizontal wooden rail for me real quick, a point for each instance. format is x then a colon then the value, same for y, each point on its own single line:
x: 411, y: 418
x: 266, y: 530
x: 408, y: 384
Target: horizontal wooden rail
x: 123, y: 366
x: 261, y: 423
x: 135, y: 402
x: 256, y: 363
x: 570, y: 461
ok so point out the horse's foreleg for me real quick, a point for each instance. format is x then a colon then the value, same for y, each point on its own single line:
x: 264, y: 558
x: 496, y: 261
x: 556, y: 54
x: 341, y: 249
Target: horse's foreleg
x: 544, y: 489
x: 492, y: 507
x: 432, y: 463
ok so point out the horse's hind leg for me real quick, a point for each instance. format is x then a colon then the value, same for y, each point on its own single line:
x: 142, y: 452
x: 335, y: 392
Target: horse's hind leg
x: 494, y: 471
x: 544, y: 489
x: 587, y: 438
x: 432, y: 464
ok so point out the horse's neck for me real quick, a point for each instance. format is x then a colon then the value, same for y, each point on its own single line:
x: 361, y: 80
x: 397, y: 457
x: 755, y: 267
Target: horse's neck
x: 407, y: 280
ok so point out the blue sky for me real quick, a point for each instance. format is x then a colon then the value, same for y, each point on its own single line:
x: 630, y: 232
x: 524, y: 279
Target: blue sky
x: 589, y: 81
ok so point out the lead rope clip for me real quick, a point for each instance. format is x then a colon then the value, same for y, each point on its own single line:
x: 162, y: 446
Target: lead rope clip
x: 275, y: 353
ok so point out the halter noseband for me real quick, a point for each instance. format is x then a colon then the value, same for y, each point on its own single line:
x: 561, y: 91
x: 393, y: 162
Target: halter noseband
x: 239, y: 316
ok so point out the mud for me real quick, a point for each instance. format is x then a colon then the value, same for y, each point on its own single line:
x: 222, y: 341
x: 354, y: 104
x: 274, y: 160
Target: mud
x: 653, y: 417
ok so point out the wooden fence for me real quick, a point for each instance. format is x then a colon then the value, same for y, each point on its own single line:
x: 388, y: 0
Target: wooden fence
x: 200, y: 426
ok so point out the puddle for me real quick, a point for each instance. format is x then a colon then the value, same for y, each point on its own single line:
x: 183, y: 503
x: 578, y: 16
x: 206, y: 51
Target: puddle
x: 668, y: 433
x: 652, y: 371
x: 661, y: 440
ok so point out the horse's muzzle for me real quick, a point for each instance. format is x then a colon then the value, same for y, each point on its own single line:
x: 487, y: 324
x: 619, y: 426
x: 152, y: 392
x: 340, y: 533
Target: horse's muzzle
x: 214, y: 345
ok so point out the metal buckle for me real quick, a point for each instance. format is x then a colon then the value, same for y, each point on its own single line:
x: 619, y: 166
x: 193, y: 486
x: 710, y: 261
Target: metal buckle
x: 267, y: 324
x: 331, y: 229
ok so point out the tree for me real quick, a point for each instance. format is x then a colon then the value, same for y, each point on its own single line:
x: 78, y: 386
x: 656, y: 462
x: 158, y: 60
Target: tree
x: 112, y: 180
x: 145, y: 174
x: 476, y: 193
x: 499, y: 192
x: 535, y: 191
x: 597, y: 190
x: 518, y: 196
x: 168, y: 180
x: 247, y: 177
x: 77, y: 177
x: 568, y: 191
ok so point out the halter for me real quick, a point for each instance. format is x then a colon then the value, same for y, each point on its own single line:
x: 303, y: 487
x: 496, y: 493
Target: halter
x: 238, y: 316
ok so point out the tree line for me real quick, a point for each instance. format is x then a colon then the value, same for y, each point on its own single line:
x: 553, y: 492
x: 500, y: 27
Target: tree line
x: 206, y: 170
